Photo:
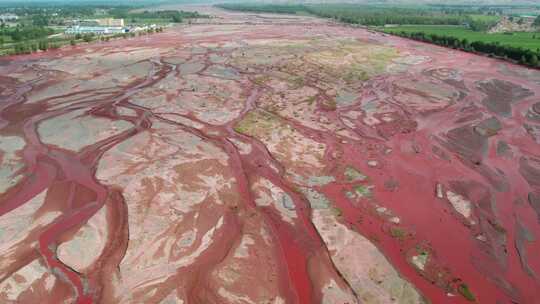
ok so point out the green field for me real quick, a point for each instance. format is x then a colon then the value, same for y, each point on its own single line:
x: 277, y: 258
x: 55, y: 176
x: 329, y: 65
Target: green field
x: 485, y: 18
x: 529, y: 41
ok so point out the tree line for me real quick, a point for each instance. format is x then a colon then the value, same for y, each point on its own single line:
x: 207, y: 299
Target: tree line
x: 23, y: 33
x: 265, y: 8
x: 377, y: 16
x: 517, y: 54
x: 170, y: 15
x: 481, y: 25
x: 44, y: 45
x: 362, y: 14
x: 27, y: 48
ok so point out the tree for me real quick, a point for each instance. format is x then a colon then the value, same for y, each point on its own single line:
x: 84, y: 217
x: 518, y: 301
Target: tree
x: 176, y: 19
x: 40, y: 20
x: 533, y: 60
x: 43, y: 45
x: 537, y: 21
x: 88, y: 37
x: 465, y: 44
x: 72, y: 42
x: 21, y: 48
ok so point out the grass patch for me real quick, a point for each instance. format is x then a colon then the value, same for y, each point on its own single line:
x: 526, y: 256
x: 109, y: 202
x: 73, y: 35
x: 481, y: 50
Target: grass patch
x: 356, y: 75
x: 464, y: 290
x: 485, y: 18
x: 420, y: 261
x: 353, y: 175
x: 362, y: 191
x: 398, y: 233
x: 256, y: 122
x: 337, y: 212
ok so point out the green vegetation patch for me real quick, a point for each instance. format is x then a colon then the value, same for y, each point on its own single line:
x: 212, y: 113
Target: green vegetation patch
x: 421, y: 259
x: 162, y: 16
x: 353, y: 175
x: 398, y: 233
x: 482, y: 23
x: 363, y: 62
x: 316, y: 199
x: 464, y: 290
x: 256, y: 122
x: 362, y: 191
x: 337, y: 212
x: 354, y: 75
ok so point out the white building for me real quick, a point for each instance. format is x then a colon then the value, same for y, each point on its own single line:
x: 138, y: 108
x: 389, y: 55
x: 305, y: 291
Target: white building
x: 8, y: 17
x: 110, y: 22
x: 98, y: 30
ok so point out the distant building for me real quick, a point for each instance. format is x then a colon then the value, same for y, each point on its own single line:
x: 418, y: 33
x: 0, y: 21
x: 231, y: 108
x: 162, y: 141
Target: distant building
x: 98, y: 30
x: 134, y: 28
x: 8, y: 18
x: 102, y: 22
x: 110, y: 22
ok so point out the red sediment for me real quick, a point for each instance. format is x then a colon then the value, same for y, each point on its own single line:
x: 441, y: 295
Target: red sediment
x: 292, y: 241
